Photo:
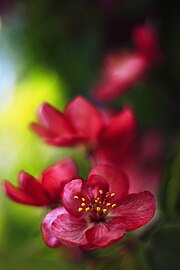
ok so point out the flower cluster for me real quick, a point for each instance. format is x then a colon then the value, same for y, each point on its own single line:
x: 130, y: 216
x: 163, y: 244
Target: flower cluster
x: 97, y: 212
x: 125, y: 167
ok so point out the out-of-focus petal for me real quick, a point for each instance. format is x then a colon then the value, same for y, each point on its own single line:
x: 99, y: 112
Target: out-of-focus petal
x: 146, y: 42
x: 19, y: 195
x: 54, y: 119
x: 33, y: 187
x: 117, y: 179
x: 66, y: 140
x: 120, y: 74
x: 70, y: 230
x: 122, y: 125
x: 85, y: 118
x: 104, y: 234
x: 42, y: 131
x: 49, y: 238
x: 54, y: 178
x: 136, y: 209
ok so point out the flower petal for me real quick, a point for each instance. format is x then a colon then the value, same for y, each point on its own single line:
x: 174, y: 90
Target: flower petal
x: 85, y: 118
x: 94, y: 184
x: 66, y: 140
x: 122, y: 125
x: 104, y: 234
x: 42, y: 131
x: 19, y: 195
x: 54, y: 178
x: 136, y: 209
x: 33, y: 188
x: 70, y: 230
x: 117, y: 179
x: 120, y: 74
x: 49, y: 238
x: 54, y: 119
x: 71, y: 189
x: 147, y: 43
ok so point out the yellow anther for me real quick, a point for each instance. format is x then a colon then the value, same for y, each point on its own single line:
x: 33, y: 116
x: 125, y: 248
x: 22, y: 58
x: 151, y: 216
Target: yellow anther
x: 87, y: 209
x: 101, y: 191
x: 98, y: 209
x: 108, y: 204
x: 114, y: 204
x: 83, y: 204
x: 112, y: 194
x: 80, y: 209
x: 76, y: 197
x: 104, y: 210
x: 96, y: 200
x: 83, y: 199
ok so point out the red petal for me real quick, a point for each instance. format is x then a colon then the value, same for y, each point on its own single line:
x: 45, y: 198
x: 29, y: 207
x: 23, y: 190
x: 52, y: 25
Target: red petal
x: 71, y: 189
x: 19, y: 195
x: 136, y: 209
x: 70, y: 230
x: 94, y: 184
x: 54, y: 119
x: 33, y: 188
x: 49, y: 238
x: 122, y: 125
x: 85, y: 118
x: 66, y: 140
x: 104, y: 234
x: 54, y: 178
x: 117, y: 179
x: 41, y: 130
x: 146, y: 41
x: 121, y: 75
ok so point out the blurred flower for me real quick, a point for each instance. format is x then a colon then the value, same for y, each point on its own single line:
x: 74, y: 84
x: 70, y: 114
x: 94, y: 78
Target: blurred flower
x: 142, y: 160
x: 122, y: 71
x: 83, y: 123
x: 97, y: 212
x: 46, y: 191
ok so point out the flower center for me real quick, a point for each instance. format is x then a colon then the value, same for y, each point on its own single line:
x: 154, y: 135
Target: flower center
x: 98, y: 207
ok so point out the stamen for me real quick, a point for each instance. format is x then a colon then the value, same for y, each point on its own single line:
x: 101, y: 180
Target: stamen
x: 108, y: 204
x: 114, y: 204
x: 101, y: 191
x: 96, y: 200
x: 76, y: 197
x: 107, y: 194
x: 83, y: 204
x: 112, y: 194
x: 83, y: 199
x: 104, y: 210
x: 98, y: 209
x: 87, y: 209
x: 80, y: 209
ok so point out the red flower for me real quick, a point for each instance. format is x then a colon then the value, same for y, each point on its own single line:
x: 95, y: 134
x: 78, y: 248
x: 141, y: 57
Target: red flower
x: 82, y: 123
x: 123, y: 71
x: 46, y: 191
x: 97, y: 212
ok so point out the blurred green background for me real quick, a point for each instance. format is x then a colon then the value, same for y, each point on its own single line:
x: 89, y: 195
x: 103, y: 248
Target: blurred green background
x: 52, y: 51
